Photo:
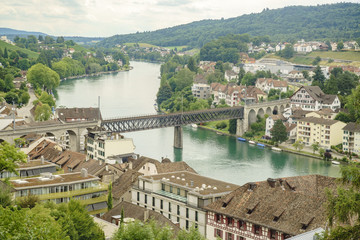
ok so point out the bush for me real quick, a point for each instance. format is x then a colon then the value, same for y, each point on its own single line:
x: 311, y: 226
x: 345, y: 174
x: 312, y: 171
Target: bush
x: 221, y: 125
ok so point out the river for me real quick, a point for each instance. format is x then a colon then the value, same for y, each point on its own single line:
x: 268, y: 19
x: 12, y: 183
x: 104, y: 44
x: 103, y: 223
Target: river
x: 222, y: 157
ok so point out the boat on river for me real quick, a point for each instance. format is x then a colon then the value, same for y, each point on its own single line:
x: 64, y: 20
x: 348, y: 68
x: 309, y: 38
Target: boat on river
x: 276, y: 149
x: 194, y: 125
x: 252, y: 142
x: 241, y: 139
x: 335, y: 162
x: 260, y: 145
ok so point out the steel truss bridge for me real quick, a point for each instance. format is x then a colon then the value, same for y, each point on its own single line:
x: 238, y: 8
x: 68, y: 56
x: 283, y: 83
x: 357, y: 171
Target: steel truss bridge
x: 131, y: 124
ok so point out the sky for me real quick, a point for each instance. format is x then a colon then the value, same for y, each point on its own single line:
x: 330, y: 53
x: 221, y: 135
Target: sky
x: 104, y: 18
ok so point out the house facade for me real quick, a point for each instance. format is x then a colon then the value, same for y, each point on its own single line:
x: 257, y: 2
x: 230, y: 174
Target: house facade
x: 180, y: 196
x: 275, y: 209
x: 326, y: 132
x: 201, y: 90
x: 265, y: 84
x: 270, y: 121
x: 311, y: 98
x: 351, y: 138
x: 103, y: 145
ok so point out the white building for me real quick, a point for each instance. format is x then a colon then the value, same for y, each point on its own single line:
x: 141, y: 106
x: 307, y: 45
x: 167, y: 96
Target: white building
x: 201, y: 90
x: 351, y: 138
x: 180, y: 196
x: 270, y: 121
x: 311, y: 98
x: 265, y: 84
x: 108, y: 147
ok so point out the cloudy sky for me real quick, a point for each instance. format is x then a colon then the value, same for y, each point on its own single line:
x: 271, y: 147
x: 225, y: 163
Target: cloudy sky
x: 103, y: 18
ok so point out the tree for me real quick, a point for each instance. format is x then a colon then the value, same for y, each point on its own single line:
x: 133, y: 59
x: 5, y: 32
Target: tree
x: 353, y: 104
x: 288, y: 52
x: 28, y: 201
x: 298, y: 145
x: 163, y: 94
x: 315, y: 147
x: 59, y: 39
x: 42, y: 112
x: 316, y: 61
x: 278, y: 132
x: 41, y: 38
x: 6, y: 54
x: 11, y: 98
x: 340, y: 46
x: 110, y: 200
x: 10, y: 157
x: 318, y: 78
x: 343, y: 206
x: 241, y: 74
x: 192, y: 65
x: 232, y: 126
x: 41, y: 76
x: 5, y: 195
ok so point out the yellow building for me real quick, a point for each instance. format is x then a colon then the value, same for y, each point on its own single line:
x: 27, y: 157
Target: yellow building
x: 326, y: 132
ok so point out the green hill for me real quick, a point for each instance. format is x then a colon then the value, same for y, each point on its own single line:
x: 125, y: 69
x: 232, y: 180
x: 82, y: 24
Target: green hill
x: 330, y: 21
x: 31, y: 54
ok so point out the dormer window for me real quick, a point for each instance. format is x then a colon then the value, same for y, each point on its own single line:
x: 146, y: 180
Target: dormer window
x: 251, y: 207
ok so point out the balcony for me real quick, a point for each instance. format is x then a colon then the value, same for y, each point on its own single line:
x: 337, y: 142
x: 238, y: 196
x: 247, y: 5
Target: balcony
x: 172, y: 196
x: 69, y: 194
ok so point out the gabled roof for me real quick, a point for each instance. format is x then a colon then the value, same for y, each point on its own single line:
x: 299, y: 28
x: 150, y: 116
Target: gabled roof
x: 317, y: 120
x: 137, y: 212
x: 352, y: 127
x: 317, y: 94
x: 88, y: 114
x: 124, y: 183
x: 297, y: 200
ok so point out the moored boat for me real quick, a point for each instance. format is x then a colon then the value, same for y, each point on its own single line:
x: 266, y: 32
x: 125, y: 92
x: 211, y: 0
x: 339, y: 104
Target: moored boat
x: 335, y: 162
x: 260, y: 145
x: 276, y: 149
x: 252, y: 142
x: 194, y: 125
x: 241, y: 139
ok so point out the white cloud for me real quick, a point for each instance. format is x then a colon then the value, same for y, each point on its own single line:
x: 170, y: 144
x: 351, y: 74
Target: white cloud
x: 110, y: 17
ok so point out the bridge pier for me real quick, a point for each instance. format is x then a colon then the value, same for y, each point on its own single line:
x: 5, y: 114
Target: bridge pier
x: 240, y: 127
x: 178, y: 137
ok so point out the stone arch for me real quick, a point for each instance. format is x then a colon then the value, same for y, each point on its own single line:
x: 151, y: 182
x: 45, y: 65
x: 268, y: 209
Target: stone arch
x: 261, y: 113
x: 50, y: 135
x: 282, y: 108
x: 268, y: 111
x: 275, y: 110
x: 72, y: 140
x: 251, y: 117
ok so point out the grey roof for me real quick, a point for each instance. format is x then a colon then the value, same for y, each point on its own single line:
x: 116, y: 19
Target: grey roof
x: 352, y: 127
x: 308, y: 235
x: 89, y: 114
x: 317, y: 94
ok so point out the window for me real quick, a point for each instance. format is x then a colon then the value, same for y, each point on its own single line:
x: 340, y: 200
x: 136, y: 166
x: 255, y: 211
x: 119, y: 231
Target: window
x: 177, y: 219
x: 196, y: 216
x: 171, y: 189
x: 230, y: 236
x: 242, y: 225
x: 217, y: 218
x: 163, y: 187
x: 169, y: 216
x: 240, y: 238
x: 229, y: 221
x: 257, y: 229
x: 153, y: 201
x: 161, y: 204
x: 217, y: 233
x: 138, y: 196
x: 187, y: 213
x: 178, y: 210
x: 272, y: 234
x: 178, y: 191
x: 187, y: 225
x: 169, y: 207
x: 145, y: 198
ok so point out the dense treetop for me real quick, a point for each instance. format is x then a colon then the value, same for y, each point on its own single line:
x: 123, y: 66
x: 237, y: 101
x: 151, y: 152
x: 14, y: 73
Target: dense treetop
x: 330, y: 21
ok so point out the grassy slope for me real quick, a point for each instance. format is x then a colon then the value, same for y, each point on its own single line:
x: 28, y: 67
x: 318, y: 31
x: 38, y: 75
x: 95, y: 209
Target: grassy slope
x: 31, y: 54
x: 348, y: 55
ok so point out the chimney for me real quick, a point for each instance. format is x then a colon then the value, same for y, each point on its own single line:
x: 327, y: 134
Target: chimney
x: 100, y: 162
x: 146, y: 215
x: 87, y: 158
x: 42, y: 159
x: 84, y: 173
x: 252, y: 186
x: 107, y: 168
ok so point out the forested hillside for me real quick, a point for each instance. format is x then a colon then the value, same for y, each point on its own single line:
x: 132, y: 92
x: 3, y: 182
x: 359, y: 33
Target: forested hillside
x: 331, y: 21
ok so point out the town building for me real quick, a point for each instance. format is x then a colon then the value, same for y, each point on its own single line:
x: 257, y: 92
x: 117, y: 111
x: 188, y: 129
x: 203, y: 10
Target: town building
x: 326, y: 132
x: 78, y: 114
x: 31, y: 168
x: 180, y: 196
x: 265, y: 84
x: 312, y: 98
x: 200, y: 90
x: 275, y: 209
x: 351, y: 138
x: 107, y: 146
x: 63, y: 187
x: 270, y: 121
x: 326, y: 113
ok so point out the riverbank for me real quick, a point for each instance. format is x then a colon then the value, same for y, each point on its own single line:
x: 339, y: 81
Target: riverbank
x: 97, y: 74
